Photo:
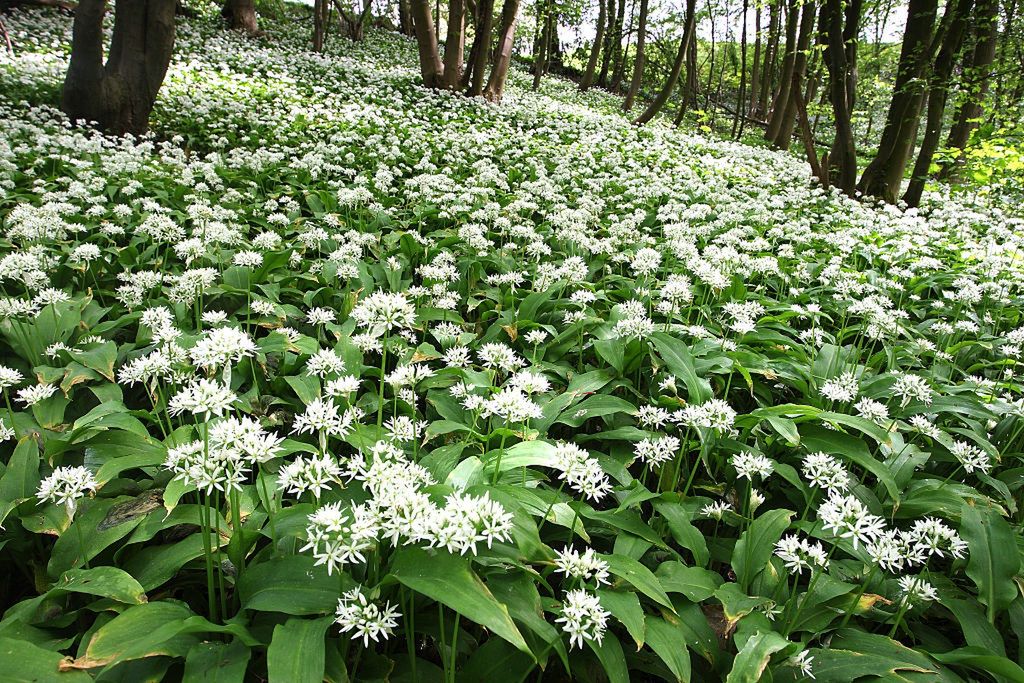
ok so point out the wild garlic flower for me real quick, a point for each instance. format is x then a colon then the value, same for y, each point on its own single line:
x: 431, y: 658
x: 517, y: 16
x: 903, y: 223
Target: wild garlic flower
x: 35, y: 393
x: 497, y: 356
x: 654, y: 452
x: 583, y: 473
x: 321, y: 415
x: 383, y: 312
x: 802, y: 663
x: 583, y: 618
x: 512, y: 405
x: 208, y: 469
x: 315, y: 473
x: 587, y: 566
x: 799, y: 554
x: 338, y: 536
x: 325, y: 362
x: 847, y: 517
x: 716, y: 510
x: 917, y: 590
x: 221, y: 346
x: 203, y: 398
x: 66, y: 486
x: 841, y: 389
x: 9, y: 377
x: 467, y: 520
x: 749, y: 465
x: 912, y: 388
x: 971, y: 457
x: 247, y: 435
x: 366, y: 620
x: 824, y: 471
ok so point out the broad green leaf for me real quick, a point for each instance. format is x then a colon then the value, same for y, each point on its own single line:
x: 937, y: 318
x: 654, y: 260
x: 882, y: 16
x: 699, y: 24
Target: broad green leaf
x: 638, y: 576
x: 215, y: 662
x: 296, y: 652
x: 850, y: 448
x: 983, y: 661
x: 496, y: 660
x: 107, y: 582
x: 625, y: 606
x: 24, y: 662
x: 993, y: 561
x: 756, y: 545
x: 290, y: 585
x: 853, y: 654
x: 753, y: 658
x: 609, y: 652
x: 666, y: 640
x: 451, y: 581
x: 695, y: 583
x: 679, y: 360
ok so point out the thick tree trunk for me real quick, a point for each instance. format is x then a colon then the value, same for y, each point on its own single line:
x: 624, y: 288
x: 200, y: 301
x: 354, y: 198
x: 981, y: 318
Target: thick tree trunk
x: 677, y: 66
x: 405, y: 18
x: 479, y: 53
x: 503, y: 54
x: 240, y: 15
x: 118, y: 95
x: 638, y: 61
x: 321, y: 8
x: 786, y: 78
x: 938, y: 94
x: 595, y: 50
x: 455, y: 45
x: 884, y: 175
x: 431, y: 67
x: 788, y: 119
x: 979, y: 65
x: 843, y: 156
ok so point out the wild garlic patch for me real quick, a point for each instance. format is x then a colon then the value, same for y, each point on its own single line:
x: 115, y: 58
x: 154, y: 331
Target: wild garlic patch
x: 331, y: 363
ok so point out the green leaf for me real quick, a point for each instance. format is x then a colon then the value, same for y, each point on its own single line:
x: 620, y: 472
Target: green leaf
x: 107, y: 582
x: 993, y: 558
x: 595, y: 406
x: 450, y: 580
x: 24, y: 662
x: 638, y: 576
x: 609, y: 652
x: 297, y: 651
x: 680, y: 362
x: 853, y: 654
x: 625, y: 606
x: 100, y: 358
x: 755, y: 545
x: 752, y: 660
x: 984, y: 661
x: 683, y: 531
x: 149, y: 630
x: 695, y: 583
x: 495, y: 660
x: 849, y: 448
x: 216, y: 663
x: 21, y: 478
x: 290, y: 585
x: 665, y: 639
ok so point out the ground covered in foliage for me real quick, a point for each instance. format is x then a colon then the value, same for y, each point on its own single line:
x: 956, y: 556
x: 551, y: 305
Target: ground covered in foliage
x: 335, y: 377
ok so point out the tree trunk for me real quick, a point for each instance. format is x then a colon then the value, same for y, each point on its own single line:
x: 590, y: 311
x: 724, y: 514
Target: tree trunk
x: 595, y: 50
x: 622, y: 51
x: 320, y: 16
x: 755, y: 71
x: 884, y: 175
x: 786, y: 78
x: 788, y: 119
x: 118, y: 95
x: 938, y: 94
x: 770, y: 57
x: 741, y: 103
x: 610, y: 36
x: 843, y: 156
x: 431, y: 67
x: 405, y: 18
x: 455, y: 45
x: 240, y: 15
x: 479, y: 53
x: 540, y: 54
x: 980, y: 63
x: 503, y: 55
x: 677, y: 66
x: 638, y: 61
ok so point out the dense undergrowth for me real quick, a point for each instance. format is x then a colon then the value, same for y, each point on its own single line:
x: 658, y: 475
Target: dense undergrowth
x: 335, y: 377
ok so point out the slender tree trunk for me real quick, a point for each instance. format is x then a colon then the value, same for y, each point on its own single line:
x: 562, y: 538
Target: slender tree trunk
x: 405, y: 18
x: 479, y: 53
x: 118, y: 95
x: 595, y: 50
x: 638, y: 61
x: 622, y: 51
x: 980, y: 63
x: 240, y: 15
x: 1009, y: 54
x: 677, y: 66
x: 938, y: 94
x: 321, y: 8
x: 455, y: 45
x: 431, y: 67
x: 503, y: 55
x: 770, y: 57
x: 741, y: 103
x: 884, y: 175
x: 788, y: 120
x: 544, y: 39
x: 755, y: 71
x: 786, y: 77
x: 610, y: 36
x: 843, y: 157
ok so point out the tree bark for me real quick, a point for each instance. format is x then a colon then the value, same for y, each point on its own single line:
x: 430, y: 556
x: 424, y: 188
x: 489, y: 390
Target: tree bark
x: 431, y: 67
x: 479, y: 53
x: 884, y: 175
x: 610, y: 36
x: 843, y: 156
x: 638, y: 61
x: 455, y: 45
x: 595, y: 50
x: 405, y: 18
x: 621, y: 52
x: 677, y: 65
x: 938, y: 94
x: 979, y: 67
x: 503, y: 54
x: 786, y: 78
x: 755, y: 71
x: 240, y: 15
x: 788, y: 118
x: 741, y: 104
x: 770, y: 57
x: 544, y: 40
x: 118, y: 95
